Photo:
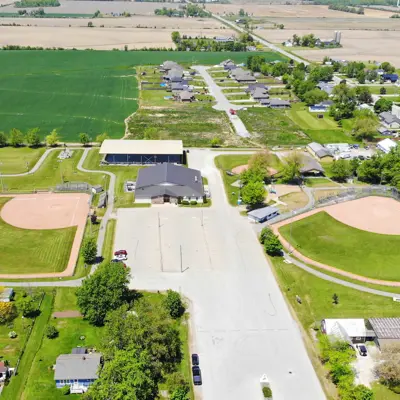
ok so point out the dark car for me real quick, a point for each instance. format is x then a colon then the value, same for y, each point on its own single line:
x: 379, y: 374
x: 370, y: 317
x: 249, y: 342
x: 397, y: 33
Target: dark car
x: 195, y: 359
x: 196, y: 375
x: 361, y: 157
x: 362, y: 350
x: 230, y: 173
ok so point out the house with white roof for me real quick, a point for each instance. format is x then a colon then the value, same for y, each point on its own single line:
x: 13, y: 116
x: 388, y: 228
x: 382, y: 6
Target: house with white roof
x: 386, y: 145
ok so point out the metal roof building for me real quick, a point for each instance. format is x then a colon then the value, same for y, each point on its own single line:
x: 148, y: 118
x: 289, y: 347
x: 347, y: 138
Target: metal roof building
x: 387, y: 330
x: 142, y: 151
x: 263, y: 214
x: 318, y: 150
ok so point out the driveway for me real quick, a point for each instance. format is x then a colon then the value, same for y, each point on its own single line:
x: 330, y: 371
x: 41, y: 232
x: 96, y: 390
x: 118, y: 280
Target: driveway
x: 223, y: 103
x: 241, y: 326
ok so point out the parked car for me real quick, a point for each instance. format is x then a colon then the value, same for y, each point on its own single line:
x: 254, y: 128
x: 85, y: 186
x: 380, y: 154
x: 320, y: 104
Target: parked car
x: 120, y: 252
x: 232, y: 111
x: 345, y: 155
x: 230, y: 173
x: 356, y: 146
x: 196, y: 372
x: 361, y: 157
x: 362, y: 350
x: 121, y: 257
x: 195, y: 359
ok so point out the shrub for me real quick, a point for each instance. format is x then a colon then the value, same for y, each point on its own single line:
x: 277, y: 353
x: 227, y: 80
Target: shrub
x: 51, y: 332
x: 272, y: 245
x: 174, y: 304
x: 12, y: 335
x: 7, y: 312
x: 65, y: 390
x: 267, y: 392
x: 193, y: 203
x: 185, y: 202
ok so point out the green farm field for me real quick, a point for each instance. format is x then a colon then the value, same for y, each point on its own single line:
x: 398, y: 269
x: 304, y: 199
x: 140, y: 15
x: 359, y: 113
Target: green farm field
x: 44, y: 250
x: 325, y: 239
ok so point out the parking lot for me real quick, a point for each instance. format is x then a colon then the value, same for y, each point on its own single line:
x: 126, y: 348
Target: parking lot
x: 240, y: 324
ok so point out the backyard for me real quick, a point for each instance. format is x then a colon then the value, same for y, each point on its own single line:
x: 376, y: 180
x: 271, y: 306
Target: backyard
x: 324, y: 239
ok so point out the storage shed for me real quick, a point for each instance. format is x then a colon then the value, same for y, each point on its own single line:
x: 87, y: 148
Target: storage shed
x: 263, y: 214
x: 387, y: 330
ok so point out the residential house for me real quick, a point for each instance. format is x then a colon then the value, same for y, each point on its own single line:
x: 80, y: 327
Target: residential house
x: 6, y: 295
x: 326, y: 87
x: 168, y: 65
x: 176, y: 86
x: 310, y: 166
x: 174, y: 75
x: 396, y: 110
x: 185, y: 96
x: 168, y: 183
x: 240, y: 75
x: 390, y: 77
x: 252, y: 86
x: 389, y: 120
x: 4, y: 372
x: 318, y: 150
x: 78, y: 371
x: 222, y: 39
x: 275, y: 103
x: 384, y: 131
x: 321, y: 107
x: 386, y: 145
x: 259, y: 93
x: 380, y: 71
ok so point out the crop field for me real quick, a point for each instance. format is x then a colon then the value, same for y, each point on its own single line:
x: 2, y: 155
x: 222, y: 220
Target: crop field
x: 48, y: 249
x: 80, y: 91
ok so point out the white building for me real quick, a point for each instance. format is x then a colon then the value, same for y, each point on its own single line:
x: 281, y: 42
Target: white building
x: 347, y: 329
x: 386, y: 145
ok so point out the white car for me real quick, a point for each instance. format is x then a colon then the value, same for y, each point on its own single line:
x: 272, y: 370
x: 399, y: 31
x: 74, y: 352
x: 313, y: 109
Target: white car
x: 345, y: 155
x: 121, y: 257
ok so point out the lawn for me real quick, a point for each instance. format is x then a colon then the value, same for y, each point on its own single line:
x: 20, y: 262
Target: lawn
x: 324, y: 239
x: 51, y: 174
x: 306, y: 120
x: 272, y: 127
x: 383, y: 393
x: 123, y: 173
x: 38, y: 251
x: 389, y: 89
x: 65, y: 300
x: 108, y: 246
x: 17, y: 160
x: 320, y: 182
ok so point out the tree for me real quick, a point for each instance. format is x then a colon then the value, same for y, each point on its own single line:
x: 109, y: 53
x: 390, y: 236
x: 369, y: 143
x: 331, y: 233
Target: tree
x: 84, y: 138
x: 27, y: 306
x: 176, y: 37
x: 53, y: 138
x: 253, y: 193
x: 345, y: 102
x: 89, y: 250
x: 33, y: 137
x: 51, y: 332
x: 260, y: 161
x: 372, y: 75
x: 363, y: 94
x: 292, y: 169
x: 382, y: 90
x: 272, y: 245
x: 365, y: 125
x: 388, y: 369
x: 340, y: 170
x: 90, y: 24
x: 314, y: 96
x: 252, y: 175
x: 180, y: 393
x: 216, y: 142
x: 176, y: 381
x: 383, y: 105
x: 242, y: 13
x: 388, y: 68
x: 335, y: 298
x: 16, y: 137
x: 101, y: 138
x: 3, y: 139
x: 126, y: 376
x: 174, y: 304
x: 361, y: 76
x: 8, y: 312
x: 103, y: 291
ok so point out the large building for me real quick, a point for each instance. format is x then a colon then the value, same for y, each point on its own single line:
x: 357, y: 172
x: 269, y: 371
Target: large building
x: 168, y: 183
x: 142, y: 151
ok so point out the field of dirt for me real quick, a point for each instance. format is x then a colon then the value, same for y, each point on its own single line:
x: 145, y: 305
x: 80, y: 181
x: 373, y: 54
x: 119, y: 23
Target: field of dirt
x: 155, y: 22
x: 95, y: 38
x: 295, y: 11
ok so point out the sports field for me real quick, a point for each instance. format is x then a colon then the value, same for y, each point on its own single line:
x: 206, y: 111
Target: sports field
x: 26, y: 251
x: 18, y: 160
x: 323, y: 238
x: 80, y: 91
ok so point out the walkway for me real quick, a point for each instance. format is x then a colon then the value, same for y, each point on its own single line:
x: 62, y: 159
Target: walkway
x: 223, y: 103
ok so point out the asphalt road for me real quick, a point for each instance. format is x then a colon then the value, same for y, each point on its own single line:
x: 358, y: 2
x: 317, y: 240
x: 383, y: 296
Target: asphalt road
x: 241, y: 325
x: 223, y: 103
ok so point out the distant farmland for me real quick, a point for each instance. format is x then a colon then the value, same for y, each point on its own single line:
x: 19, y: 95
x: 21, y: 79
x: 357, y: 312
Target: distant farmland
x: 80, y: 91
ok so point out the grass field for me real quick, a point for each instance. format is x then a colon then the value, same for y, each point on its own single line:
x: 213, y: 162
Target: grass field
x: 389, y: 89
x: 80, y: 91
x: 18, y: 160
x: 28, y: 251
x: 306, y: 120
x: 271, y: 127
x: 51, y: 173
x: 324, y: 239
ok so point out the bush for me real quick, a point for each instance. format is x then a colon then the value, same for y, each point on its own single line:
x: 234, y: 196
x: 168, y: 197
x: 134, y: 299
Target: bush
x: 267, y: 392
x: 174, y: 304
x: 193, y: 203
x: 185, y: 202
x: 7, y: 312
x: 12, y: 335
x: 272, y: 245
x: 51, y: 332
x: 65, y: 390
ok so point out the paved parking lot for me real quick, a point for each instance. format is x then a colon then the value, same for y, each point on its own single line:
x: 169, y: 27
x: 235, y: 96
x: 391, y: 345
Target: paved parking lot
x: 241, y: 326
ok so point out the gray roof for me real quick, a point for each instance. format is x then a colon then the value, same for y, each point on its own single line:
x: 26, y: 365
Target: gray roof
x: 259, y: 93
x: 388, y: 117
x: 309, y: 164
x: 263, y: 212
x: 6, y: 293
x: 77, y: 366
x: 79, y: 350
x: 386, y: 328
x: 326, y: 87
x: 383, y: 130
x: 185, y: 95
x: 178, y: 86
x: 275, y: 102
x: 168, y: 65
x: 252, y: 86
x: 169, y: 179
x: 319, y: 150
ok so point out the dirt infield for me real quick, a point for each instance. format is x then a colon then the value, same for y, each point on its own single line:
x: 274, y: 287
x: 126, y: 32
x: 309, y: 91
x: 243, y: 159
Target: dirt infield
x: 49, y: 211
x: 373, y: 214
x: 240, y: 168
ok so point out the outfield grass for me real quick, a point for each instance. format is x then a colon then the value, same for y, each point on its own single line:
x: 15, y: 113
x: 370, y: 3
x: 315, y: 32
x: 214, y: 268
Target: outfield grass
x: 272, y: 127
x: 123, y: 173
x: 18, y: 160
x: 26, y: 251
x: 51, y: 173
x: 324, y: 239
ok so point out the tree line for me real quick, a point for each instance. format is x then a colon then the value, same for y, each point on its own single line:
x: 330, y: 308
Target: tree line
x: 37, y: 3
x: 344, y: 8
x: 141, y: 344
